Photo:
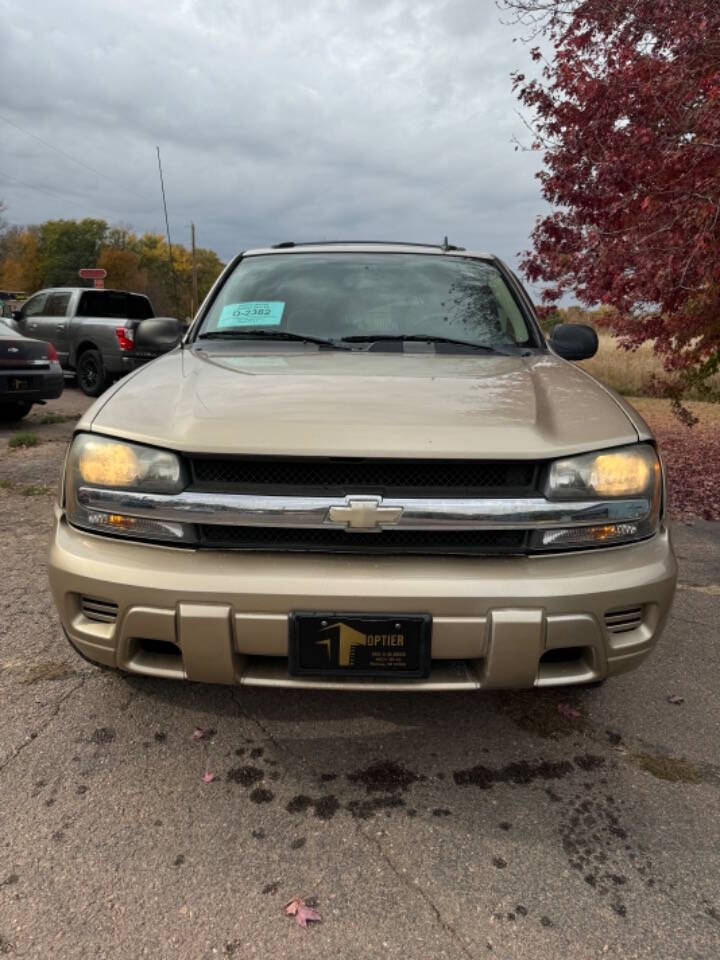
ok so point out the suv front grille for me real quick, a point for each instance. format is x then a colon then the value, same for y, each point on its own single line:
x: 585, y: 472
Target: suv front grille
x: 321, y: 540
x: 307, y: 476
x: 380, y: 476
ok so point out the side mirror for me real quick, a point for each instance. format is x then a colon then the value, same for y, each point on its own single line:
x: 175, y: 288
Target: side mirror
x: 574, y: 341
x: 157, y: 335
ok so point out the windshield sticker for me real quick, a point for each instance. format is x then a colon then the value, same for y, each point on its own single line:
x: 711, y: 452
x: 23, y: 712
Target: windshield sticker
x: 252, y: 313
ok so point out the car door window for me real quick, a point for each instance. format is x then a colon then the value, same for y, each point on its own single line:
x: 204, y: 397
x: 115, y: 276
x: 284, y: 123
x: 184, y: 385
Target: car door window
x: 34, y: 306
x: 57, y: 304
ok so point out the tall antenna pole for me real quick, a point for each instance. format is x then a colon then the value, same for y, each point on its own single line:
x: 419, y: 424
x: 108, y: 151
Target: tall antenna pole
x: 195, y: 303
x: 167, y: 231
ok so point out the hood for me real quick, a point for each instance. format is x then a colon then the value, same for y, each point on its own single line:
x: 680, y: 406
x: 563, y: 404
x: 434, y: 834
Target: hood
x: 331, y: 403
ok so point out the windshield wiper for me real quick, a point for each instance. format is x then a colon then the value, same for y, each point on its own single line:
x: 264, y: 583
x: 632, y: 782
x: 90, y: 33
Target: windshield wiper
x: 269, y: 335
x: 506, y: 351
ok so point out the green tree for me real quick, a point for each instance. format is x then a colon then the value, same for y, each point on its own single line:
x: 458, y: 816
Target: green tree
x: 65, y: 246
x: 51, y: 255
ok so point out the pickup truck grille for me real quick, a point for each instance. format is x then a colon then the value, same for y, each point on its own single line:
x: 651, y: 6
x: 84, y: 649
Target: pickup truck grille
x: 308, y: 476
x: 421, y: 542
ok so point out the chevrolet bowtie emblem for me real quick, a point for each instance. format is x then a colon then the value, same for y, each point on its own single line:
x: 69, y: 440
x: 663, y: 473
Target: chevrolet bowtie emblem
x: 364, y: 514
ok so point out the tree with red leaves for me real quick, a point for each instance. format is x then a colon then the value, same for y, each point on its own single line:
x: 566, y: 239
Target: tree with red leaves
x: 627, y: 114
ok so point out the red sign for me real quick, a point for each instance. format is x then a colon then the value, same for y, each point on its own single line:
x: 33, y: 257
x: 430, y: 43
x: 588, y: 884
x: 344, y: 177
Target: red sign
x: 96, y: 274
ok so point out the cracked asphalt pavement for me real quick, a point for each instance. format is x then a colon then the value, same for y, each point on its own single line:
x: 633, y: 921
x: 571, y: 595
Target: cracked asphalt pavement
x: 449, y: 826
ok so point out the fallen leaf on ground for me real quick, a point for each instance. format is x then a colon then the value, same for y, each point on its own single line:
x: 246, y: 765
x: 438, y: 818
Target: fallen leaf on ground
x: 297, y: 908
x: 567, y: 711
x: 675, y: 698
x: 200, y: 734
x: 208, y: 777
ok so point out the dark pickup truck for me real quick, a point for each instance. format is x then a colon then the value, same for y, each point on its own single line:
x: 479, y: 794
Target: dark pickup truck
x: 93, y: 331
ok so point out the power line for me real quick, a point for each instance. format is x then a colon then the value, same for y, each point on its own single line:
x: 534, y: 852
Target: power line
x: 69, y: 156
x: 31, y: 186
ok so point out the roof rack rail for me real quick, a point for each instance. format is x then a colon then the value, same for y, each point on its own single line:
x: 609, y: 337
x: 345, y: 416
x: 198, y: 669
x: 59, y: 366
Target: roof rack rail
x: 287, y: 244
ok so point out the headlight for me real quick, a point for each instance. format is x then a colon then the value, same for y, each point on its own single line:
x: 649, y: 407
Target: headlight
x: 626, y: 474
x: 99, y: 462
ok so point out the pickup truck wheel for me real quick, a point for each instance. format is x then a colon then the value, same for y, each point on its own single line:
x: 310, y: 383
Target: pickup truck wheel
x: 14, y: 411
x: 91, y: 376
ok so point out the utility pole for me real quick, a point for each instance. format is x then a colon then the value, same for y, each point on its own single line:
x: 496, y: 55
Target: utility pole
x: 167, y: 230
x: 194, y: 305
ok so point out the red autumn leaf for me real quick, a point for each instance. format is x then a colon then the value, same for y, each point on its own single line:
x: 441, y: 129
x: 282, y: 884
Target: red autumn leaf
x: 572, y: 713
x: 303, y: 914
x: 306, y: 914
x: 201, y: 734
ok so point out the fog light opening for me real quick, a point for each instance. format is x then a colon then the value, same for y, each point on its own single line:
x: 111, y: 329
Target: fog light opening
x: 155, y: 658
x: 563, y: 655
x: 158, y: 647
x: 568, y: 665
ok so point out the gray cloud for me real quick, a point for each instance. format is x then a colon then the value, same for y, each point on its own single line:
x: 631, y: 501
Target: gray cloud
x: 376, y: 119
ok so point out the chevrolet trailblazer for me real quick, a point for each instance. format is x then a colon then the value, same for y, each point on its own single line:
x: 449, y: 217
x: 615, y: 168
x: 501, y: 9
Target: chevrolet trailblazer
x: 364, y: 468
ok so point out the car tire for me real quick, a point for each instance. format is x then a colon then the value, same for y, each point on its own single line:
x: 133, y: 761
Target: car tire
x: 91, y: 376
x: 14, y: 411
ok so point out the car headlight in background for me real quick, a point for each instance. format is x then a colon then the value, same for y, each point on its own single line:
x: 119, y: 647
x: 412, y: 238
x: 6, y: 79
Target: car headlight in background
x: 628, y: 473
x: 96, y: 461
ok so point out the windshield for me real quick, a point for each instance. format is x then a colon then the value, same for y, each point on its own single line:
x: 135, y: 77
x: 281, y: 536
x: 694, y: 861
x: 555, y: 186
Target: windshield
x: 337, y: 295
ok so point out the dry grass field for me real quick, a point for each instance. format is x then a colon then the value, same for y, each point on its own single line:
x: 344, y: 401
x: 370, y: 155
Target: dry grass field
x: 630, y: 371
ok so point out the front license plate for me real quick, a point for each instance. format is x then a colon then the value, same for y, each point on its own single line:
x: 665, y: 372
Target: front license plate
x: 364, y: 645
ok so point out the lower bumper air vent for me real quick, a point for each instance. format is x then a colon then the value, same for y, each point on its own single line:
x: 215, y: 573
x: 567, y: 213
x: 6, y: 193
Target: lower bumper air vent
x: 623, y: 621
x: 101, y: 611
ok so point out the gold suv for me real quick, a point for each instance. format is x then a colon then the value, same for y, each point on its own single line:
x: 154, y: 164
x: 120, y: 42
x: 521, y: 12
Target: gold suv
x: 364, y: 468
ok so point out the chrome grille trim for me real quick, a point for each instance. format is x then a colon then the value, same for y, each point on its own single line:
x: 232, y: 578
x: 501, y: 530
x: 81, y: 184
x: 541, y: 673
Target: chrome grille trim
x: 373, y: 513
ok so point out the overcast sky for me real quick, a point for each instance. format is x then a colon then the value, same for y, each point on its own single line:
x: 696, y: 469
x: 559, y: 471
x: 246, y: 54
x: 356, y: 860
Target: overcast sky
x: 324, y: 119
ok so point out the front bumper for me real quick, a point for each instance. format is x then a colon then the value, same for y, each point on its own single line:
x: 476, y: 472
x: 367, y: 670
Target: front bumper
x: 222, y: 617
